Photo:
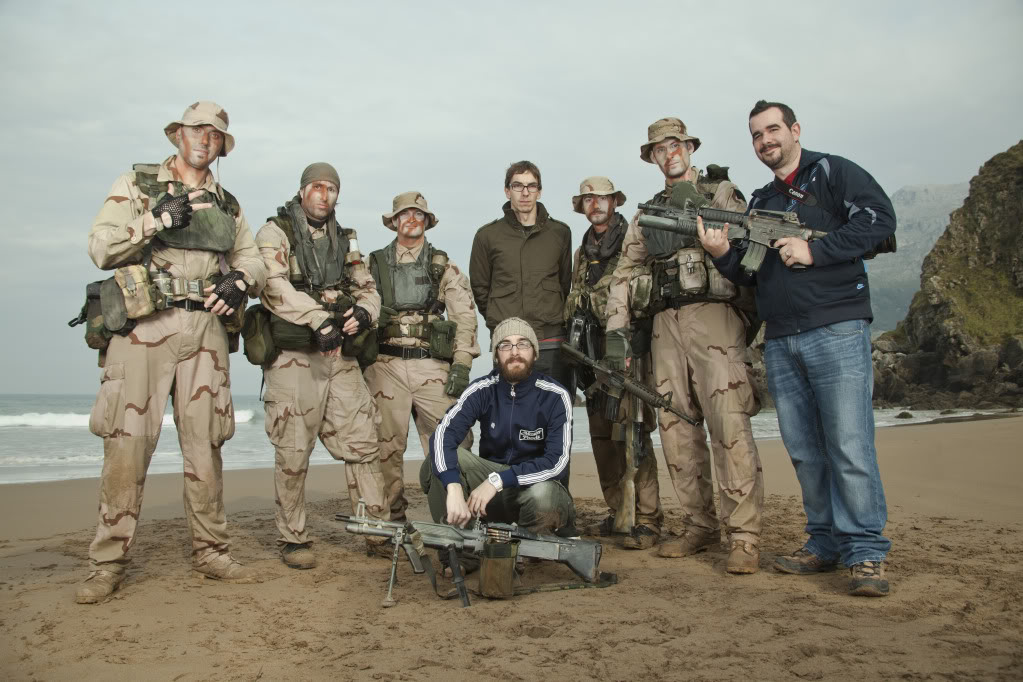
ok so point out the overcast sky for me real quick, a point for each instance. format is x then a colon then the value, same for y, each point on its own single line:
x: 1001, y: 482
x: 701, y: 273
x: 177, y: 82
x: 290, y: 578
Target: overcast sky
x: 441, y: 97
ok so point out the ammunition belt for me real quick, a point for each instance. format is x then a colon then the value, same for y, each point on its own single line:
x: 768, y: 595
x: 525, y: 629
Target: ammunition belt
x: 404, y: 352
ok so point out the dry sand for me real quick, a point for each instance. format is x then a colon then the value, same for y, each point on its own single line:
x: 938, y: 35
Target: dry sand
x: 955, y: 494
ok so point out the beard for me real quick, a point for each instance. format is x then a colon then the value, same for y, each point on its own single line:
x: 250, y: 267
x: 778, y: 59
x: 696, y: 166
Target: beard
x: 516, y: 368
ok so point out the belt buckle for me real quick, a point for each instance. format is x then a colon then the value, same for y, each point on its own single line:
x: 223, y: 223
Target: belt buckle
x: 194, y: 286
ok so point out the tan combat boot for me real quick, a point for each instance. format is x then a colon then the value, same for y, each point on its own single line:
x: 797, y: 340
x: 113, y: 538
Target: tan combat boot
x: 743, y: 557
x: 298, y: 555
x: 688, y: 543
x: 98, y: 586
x: 223, y: 567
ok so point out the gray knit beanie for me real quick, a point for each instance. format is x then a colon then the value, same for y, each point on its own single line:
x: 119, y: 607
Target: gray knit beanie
x: 513, y: 326
x: 320, y: 171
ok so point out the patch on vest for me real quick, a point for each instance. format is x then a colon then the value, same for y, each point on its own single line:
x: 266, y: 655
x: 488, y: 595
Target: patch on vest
x: 423, y: 281
x: 531, y: 435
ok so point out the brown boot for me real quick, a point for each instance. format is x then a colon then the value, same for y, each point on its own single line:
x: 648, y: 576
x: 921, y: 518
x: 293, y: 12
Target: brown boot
x: 298, y: 555
x: 98, y: 586
x: 223, y: 567
x: 743, y: 558
x: 641, y: 537
x: 688, y: 543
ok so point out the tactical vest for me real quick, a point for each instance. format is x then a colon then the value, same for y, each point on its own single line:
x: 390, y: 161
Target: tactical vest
x: 211, y: 229
x: 587, y: 297
x: 410, y: 287
x: 681, y: 271
x: 291, y: 336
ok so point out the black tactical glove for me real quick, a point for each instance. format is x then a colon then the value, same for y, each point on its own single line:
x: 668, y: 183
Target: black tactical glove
x: 362, y: 317
x: 227, y: 290
x: 616, y: 349
x: 328, y: 336
x: 179, y: 209
x: 458, y: 379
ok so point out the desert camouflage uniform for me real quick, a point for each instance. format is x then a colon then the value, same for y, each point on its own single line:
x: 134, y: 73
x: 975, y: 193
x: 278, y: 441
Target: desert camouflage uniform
x: 401, y: 387
x: 310, y: 395
x: 186, y: 350
x: 607, y: 442
x: 699, y: 353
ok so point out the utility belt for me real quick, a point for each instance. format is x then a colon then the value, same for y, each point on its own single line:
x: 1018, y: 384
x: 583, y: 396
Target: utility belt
x: 114, y: 305
x: 438, y: 334
x: 404, y: 352
x: 688, y: 276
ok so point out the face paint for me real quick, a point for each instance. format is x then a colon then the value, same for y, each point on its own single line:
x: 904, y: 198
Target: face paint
x: 318, y: 199
x: 672, y: 157
x: 411, y: 223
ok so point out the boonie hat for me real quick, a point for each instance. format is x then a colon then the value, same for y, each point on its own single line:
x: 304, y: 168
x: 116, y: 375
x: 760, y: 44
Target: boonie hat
x: 599, y: 186
x: 407, y: 200
x: 201, y: 114
x: 662, y: 129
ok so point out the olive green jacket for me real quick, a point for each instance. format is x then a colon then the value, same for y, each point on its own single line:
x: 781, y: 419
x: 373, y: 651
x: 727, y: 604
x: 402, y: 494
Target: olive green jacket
x: 524, y: 272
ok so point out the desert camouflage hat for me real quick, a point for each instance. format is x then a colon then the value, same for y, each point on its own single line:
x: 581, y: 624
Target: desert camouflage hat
x: 662, y: 129
x: 408, y: 200
x: 201, y: 114
x: 599, y: 186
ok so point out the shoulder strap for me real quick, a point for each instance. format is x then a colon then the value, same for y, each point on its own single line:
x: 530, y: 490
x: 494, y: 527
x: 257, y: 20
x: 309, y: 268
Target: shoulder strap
x: 382, y: 274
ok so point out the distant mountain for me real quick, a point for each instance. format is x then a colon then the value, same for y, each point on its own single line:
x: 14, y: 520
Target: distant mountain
x: 922, y: 212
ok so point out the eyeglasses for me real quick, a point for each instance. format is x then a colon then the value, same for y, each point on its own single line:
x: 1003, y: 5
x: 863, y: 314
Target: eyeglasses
x: 518, y: 187
x: 506, y: 346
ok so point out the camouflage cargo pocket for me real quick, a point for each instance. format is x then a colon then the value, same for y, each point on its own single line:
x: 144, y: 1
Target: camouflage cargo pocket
x: 279, y: 406
x: 222, y: 419
x: 109, y: 405
x: 741, y: 396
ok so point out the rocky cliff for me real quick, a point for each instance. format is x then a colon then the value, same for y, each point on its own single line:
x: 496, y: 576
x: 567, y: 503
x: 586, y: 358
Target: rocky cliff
x: 961, y: 342
x: 923, y: 213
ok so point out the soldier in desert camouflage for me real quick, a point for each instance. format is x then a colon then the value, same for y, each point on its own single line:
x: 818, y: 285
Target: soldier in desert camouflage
x: 148, y: 219
x: 699, y: 353
x: 321, y: 295
x: 424, y: 359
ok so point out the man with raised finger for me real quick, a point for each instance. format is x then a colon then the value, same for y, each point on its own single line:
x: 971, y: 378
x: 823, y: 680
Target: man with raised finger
x: 184, y: 262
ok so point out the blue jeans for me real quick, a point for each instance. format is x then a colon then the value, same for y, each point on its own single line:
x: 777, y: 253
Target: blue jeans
x: 822, y: 382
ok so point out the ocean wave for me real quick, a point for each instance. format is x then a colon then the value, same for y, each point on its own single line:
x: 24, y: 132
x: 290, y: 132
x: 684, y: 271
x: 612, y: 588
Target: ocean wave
x: 75, y: 420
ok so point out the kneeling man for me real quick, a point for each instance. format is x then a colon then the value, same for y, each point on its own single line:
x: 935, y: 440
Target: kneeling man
x: 525, y: 441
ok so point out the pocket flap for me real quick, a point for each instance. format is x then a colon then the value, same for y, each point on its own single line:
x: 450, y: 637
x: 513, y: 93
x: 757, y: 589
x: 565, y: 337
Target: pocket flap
x: 114, y: 371
x: 506, y: 290
x: 279, y: 395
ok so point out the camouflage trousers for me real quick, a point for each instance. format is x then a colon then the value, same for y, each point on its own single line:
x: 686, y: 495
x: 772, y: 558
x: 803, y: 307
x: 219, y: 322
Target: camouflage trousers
x: 187, y: 351
x: 310, y: 395
x: 699, y: 354
x: 609, y: 456
x: 402, y: 388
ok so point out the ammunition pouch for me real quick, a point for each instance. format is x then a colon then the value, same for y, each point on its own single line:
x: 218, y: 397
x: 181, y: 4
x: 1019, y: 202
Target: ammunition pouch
x: 442, y: 339
x: 290, y: 336
x: 260, y: 348
x: 688, y: 277
x: 136, y: 292
x: 497, y: 569
x: 97, y: 336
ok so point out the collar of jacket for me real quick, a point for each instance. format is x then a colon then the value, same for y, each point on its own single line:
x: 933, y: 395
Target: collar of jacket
x: 521, y: 388
x: 513, y: 220
x: 806, y: 159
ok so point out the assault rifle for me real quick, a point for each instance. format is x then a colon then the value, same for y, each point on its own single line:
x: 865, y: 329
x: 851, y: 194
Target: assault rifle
x: 582, y: 556
x: 759, y: 228
x: 615, y: 383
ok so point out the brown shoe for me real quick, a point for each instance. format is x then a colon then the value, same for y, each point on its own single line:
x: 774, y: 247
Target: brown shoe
x: 298, y: 555
x: 804, y: 562
x: 867, y: 579
x: 641, y: 537
x: 223, y: 567
x: 743, y: 557
x: 98, y: 586
x: 688, y: 543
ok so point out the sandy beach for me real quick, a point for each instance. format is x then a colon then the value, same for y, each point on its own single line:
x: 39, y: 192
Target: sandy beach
x: 955, y: 496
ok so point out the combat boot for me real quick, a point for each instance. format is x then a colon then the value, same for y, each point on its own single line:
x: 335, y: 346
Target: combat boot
x: 641, y: 537
x: 223, y: 567
x: 743, y: 558
x: 98, y: 586
x: 867, y: 579
x: 604, y: 529
x: 686, y: 544
x: 298, y: 555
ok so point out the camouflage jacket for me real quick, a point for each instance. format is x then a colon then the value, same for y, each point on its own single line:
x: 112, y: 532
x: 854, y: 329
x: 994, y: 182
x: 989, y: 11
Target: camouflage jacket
x: 592, y: 296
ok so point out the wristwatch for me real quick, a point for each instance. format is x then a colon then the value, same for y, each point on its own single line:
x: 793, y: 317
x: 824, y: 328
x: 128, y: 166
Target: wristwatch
x: 495, y: 481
